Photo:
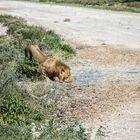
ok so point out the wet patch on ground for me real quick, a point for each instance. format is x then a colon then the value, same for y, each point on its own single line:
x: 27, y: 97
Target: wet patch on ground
x: 91, y: 74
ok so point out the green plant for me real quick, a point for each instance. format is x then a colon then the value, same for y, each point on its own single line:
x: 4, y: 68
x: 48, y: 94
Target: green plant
x: 8, y: 52
x: 30, y: 69
x: 38, y: 116
x: 18, y: 28
x: 8, y: 132
x: 12, y: 109
x: 117, y: 5
x: 101, y: 132
x: 63, y: 130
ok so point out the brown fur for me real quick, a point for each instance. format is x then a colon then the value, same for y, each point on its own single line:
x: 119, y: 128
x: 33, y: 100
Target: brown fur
x: 33, y: 50
x: 55, y: 68
x: 51, y: 67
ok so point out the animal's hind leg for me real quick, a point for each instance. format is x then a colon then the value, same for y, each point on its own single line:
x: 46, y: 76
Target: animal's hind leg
x: 28, y: 53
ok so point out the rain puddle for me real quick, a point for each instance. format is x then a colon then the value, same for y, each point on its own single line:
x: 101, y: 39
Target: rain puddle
x: 90, y: 75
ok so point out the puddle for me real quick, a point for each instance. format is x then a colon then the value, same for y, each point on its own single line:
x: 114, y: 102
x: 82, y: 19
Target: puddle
x: 90, y: 75
x: 86, y: 75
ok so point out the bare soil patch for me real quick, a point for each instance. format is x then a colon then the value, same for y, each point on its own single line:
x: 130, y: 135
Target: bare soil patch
x: 92, y: 102
x: 109, y: 55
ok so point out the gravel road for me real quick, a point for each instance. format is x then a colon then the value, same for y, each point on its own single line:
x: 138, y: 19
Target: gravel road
x: 80, y: 25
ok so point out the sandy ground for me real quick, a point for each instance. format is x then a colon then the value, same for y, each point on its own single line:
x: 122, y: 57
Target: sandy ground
x: 121, y: 125
x: 80, y: 25
x: 106, y: 94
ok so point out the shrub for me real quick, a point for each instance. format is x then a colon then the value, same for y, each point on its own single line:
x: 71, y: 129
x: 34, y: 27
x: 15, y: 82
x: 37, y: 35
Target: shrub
x: 30, y: 69
x: 14, y: 133
x: 12, y: 109
x: 17, y: 114
x: 63, y: 130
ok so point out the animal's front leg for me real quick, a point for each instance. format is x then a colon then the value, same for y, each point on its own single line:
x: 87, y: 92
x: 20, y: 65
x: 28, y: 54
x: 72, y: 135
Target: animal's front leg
x: 43, y: 71
x: 61, y: 78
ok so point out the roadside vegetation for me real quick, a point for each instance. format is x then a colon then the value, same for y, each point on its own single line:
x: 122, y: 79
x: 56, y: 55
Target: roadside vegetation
x: 22, y: 116
x: 19, y: 35
x: 118, y: 5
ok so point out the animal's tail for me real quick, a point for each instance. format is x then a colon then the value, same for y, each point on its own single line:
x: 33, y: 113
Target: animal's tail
x: 33, y: 50
x: 28, y: 53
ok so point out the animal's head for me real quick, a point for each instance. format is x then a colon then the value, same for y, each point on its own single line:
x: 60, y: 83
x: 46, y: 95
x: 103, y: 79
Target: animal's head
x: 66, y: 75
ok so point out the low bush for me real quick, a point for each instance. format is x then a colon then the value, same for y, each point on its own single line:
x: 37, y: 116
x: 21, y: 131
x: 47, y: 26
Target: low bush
x: 15, y: 111
x: 28, y: 68
x: 62, y: 130
x: 8, y: 132
x: 13, y: 108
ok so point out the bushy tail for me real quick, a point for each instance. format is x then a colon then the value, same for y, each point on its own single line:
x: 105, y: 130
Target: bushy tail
x: 34, y: 50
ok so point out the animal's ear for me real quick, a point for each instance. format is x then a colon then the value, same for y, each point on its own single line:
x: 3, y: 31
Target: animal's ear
x: 62, y: 71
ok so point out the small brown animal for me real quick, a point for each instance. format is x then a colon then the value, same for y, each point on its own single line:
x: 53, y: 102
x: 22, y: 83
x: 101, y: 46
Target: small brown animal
x: 55, y: 68
x: 49, y: 66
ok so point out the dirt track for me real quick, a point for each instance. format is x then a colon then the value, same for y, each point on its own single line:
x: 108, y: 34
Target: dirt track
x: 80, y: 25
x: 107, y: 88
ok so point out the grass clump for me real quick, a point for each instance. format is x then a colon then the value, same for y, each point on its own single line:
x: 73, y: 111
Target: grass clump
x: 30, y: 69
x: 70, y: 130
x: 14, y: 110
x: 14, y: 133
x: 21, y: 117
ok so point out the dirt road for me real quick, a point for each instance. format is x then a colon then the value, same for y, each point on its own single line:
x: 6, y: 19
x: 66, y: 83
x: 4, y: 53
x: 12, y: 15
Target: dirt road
x: 106, y: 95
x: 80, y: 25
